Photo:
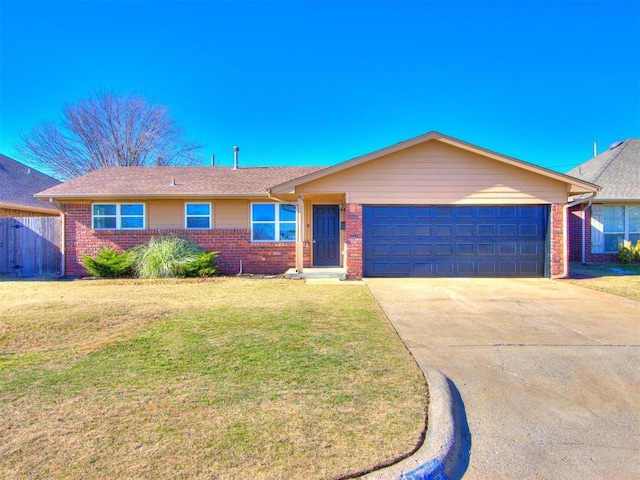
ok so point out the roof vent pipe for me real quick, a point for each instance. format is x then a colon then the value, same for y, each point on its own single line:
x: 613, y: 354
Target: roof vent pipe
x: 213, y: 160
x: 235, y: 157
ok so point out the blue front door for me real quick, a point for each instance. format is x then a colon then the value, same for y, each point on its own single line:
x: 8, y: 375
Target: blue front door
x: 326, y: 236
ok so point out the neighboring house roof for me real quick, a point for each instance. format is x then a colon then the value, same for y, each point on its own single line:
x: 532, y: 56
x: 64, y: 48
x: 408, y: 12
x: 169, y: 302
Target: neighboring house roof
x: 617, y: 171
x: 18, y: 183
x: 576, y: 186
x: 145, y: 182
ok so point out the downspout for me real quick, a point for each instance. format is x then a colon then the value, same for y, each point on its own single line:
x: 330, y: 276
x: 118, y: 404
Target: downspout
x: 565, y: 243
x: 63, y: 236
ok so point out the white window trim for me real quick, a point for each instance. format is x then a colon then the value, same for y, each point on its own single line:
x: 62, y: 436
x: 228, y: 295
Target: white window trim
x: 210, y: 216
x: 276, y: 221
x: 118, y: 215
x: 598, y: 231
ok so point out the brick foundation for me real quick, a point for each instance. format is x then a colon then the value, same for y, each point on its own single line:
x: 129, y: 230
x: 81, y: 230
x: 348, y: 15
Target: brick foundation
x: 233, y: 245
x: 353, y: 240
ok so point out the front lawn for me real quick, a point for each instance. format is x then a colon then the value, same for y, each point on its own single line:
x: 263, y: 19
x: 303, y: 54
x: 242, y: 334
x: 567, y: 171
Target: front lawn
x: 226, y: 378
x: 619, y: 279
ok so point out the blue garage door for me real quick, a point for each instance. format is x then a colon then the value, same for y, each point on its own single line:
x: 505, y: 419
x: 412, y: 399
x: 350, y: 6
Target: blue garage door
x: 460, y: 241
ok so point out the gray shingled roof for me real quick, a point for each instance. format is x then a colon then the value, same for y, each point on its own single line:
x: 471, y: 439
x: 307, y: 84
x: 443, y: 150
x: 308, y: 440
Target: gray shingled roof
x: 617, y: 171
x: 18, y: 183
x: 175, y: 182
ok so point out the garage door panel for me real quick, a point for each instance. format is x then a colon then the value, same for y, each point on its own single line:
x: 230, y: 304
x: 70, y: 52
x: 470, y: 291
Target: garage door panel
x: 471, y: 241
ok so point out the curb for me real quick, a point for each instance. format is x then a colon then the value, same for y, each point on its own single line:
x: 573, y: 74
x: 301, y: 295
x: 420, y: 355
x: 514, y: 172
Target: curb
x: 438, y: 457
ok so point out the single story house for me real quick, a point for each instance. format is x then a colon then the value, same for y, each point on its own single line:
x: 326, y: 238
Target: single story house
x: 597, y: 227
x: 18, y: 184
x: 429, y: 206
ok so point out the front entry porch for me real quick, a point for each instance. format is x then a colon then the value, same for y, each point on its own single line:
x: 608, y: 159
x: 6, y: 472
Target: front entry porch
x: 317, y: 272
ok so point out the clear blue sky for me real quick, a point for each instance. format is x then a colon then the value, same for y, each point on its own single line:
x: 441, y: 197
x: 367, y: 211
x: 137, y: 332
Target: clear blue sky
x: 316, y: 83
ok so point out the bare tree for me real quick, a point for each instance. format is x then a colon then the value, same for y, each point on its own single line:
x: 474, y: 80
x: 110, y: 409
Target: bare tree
x: 107, y: 130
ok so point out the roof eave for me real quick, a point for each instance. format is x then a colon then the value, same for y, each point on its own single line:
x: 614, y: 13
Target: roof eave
x: 29, y: 208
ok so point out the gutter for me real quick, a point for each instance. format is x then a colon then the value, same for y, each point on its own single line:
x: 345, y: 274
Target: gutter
x: 63, y: 236
x: 565, y: 244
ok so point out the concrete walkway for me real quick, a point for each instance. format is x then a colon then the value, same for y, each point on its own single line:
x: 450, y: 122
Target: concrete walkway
x: 549, y: 373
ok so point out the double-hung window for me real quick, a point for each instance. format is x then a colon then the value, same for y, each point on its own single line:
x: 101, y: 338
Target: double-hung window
x: 273, y: 222
x: 197, y: 216
x: 117, y: 216
x: 613, y: 225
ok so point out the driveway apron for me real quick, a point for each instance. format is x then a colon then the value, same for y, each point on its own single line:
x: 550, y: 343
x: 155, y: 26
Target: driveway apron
x: 549, y: 373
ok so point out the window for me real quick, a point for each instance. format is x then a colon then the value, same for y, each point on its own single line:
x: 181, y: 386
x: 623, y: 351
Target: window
x: 273, y: 222
x: 118, y: 216
x: 197, y: 216
x: 612, y: 225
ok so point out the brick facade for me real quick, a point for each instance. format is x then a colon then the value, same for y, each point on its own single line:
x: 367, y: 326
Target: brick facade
x: 575, y: 237
x: 353, y: 240
x: 557, y: 238
x: 234, y: 245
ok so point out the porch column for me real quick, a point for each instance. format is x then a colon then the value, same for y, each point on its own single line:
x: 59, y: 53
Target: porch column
x: 300, y: 234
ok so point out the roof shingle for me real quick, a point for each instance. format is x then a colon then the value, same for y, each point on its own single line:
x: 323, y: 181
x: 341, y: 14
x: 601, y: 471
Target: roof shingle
x: 175, y: 182
x: 18, y: 183
x: 617, y: 171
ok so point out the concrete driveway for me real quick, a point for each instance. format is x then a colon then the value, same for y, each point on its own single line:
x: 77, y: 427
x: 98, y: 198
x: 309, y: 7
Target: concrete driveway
x: 549, y: 373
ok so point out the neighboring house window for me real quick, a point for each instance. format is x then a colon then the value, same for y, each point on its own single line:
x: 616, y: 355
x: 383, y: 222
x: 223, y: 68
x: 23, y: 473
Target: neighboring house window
x: 611, y: 225
x: 273, y: 222
x: 118, y: 216
x: 197, y: 216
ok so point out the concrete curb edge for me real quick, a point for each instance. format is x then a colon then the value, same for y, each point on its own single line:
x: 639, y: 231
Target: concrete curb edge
x: 438, y: 456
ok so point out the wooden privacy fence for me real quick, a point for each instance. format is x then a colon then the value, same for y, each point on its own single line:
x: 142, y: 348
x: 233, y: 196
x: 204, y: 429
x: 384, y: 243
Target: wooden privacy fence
x: 29, y: 246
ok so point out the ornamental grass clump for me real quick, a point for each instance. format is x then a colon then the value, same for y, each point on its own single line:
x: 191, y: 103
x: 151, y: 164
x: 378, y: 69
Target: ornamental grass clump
x: 173, y: 256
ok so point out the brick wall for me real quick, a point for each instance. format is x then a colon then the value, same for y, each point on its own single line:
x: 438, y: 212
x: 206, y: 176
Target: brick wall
x: 575, y: 237
x: 353, y: 238
x: 233, y: 245
x: 557, y: 238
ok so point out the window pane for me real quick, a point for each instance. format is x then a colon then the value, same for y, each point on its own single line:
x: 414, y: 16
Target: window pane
x: 287, y: 232
x: 198, y: 208
x: 106, y: 209
x: 136, y: 209
x: 198, y: 222
x: 634, y: 218
x: 287, y: 213
x: 264, y: 212
x: 104, y: 223
x: 131, y: 222
x: 264, y: 231
x: 633, y: 238
x: 614, y: 219
x: 611, y: 242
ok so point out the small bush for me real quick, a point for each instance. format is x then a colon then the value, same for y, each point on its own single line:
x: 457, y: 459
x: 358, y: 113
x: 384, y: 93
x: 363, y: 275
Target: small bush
x: 625, y: 252
x: 636, y: 252
x: 109, y: 264
x: 171, y: 256
x: 203, y: 266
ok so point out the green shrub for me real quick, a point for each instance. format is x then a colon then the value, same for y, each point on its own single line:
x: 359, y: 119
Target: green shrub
x: 625, y: 252
x: 171, y: 256
x: 203, y: 266
x: 636, y: 252
x: 109, y: 264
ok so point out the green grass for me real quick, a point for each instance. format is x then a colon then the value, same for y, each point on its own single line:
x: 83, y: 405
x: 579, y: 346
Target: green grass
x: 225, y: 378
x: 618, y: 279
